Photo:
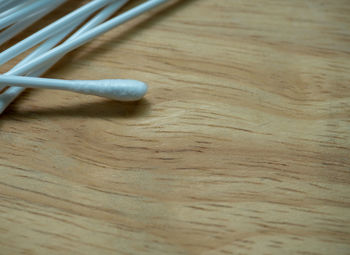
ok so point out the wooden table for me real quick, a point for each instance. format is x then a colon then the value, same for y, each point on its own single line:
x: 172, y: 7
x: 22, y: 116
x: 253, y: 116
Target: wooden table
x: 241, y: 145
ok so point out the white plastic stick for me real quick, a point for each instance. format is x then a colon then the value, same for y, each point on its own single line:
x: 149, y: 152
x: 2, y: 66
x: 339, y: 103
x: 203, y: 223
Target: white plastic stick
x: 6, y: 5
x: 97, y: 19
x: 86, y: 37
x: 15, y: 8
x: 13, y: 18
x: 3, y: 1
x: 28, y: 21
x: 50, y: 30
x: 11, y: 93
x: 121, y: 90
x: 50, y: 43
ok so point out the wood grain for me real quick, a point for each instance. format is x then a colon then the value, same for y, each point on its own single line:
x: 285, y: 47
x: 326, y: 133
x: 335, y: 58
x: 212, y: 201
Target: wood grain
x: 241, y: 146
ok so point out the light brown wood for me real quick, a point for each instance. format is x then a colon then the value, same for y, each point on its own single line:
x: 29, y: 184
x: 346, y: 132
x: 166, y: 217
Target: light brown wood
x: 240, y: 147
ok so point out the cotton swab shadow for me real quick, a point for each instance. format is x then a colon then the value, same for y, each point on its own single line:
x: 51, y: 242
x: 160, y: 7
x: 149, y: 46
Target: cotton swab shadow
x: 95, y: 109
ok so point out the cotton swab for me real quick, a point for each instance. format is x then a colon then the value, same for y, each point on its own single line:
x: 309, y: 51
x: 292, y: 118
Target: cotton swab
x: 13, y: 92
x: 86, y: 37
x: 73, y: 44
x: 23, y: 12
x: 8, y: 4
x: 121, y: 90
x: 100, y: 17
x: 28, y: 21
x: 15, y: 8
x: 97, y: 19
x: 50, y: 43
x: 50, y: 30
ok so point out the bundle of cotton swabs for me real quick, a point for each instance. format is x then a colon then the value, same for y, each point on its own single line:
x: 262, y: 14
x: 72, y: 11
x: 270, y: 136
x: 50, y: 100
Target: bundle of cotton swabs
x: 93, y: 19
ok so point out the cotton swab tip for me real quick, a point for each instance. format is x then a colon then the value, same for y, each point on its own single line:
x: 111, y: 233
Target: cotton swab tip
x: 117, y: 89
x: 121, y: 90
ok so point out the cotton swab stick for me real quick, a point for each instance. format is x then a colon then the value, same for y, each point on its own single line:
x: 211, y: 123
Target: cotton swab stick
x: 13, y: 92
x: 3, y: 1
x: 50, y: 43
x: 15, y: 8
x: 50, y: 30
x: 100, y: 17
x: 28, y: 21
x: 73, y: 44
x: 8, y: 4
x: 86, y: 37
x: 121, y: 90
x: 97, y: 19
x: 23, y: 12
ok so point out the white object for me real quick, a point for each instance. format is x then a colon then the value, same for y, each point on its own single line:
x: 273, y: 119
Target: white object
x: 12, y: 18
x: 15, y: 8
x: 9, y: 4
x: 96, y: 20
x: 121, y: 90
x: 50, y: 30
x: 46, y: 60
x: 27, y: 21
x: 13, y: 92
x: 86, y: 37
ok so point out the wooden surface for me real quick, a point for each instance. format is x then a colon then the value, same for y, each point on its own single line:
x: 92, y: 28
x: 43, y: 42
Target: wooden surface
x: 240, y: 147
